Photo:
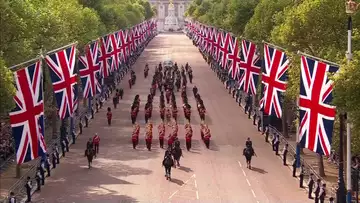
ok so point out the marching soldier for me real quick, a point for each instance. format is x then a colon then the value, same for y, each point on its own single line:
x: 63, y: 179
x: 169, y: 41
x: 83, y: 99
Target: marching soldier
x: 148, y: 136
x: 202, y: 127
x: 187, y: 111
x: 38, y: 178
x: 162, y: 112
x: 135, y: 135
x: 207, y: 136
x: 168, y: 114
x: 202, y: 113
x: 109, y: 115
x: 121, y: 93
x: 175, y: 129
x: 147, y: 112
x: 174, y: 112
x: 28, y: 187
x: 161, y: 129
x: 134, y: 111
x: 188, y: 136
x: 96, y: 142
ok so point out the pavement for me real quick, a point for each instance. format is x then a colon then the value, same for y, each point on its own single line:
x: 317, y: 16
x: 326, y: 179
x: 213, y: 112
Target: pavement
x: 218, y: 174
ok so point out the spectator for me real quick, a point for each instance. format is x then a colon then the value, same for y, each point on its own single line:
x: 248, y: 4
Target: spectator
x: 6, y: 142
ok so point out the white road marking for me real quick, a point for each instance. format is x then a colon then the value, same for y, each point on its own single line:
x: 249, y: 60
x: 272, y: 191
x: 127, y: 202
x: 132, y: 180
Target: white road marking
x: 247, y: 180
x: 240, y: 164
x: 195, y: 183
x: 253, y: 193
x: 197, y: 194
x: 173, y: 194
x: 257, y: 202
x: 243, y: 172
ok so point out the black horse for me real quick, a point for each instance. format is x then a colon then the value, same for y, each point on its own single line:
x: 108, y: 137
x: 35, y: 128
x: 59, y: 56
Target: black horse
x: 90, y: 153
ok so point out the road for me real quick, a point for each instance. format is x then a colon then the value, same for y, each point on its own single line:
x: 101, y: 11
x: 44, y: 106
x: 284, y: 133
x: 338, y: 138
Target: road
x: 218, y: 174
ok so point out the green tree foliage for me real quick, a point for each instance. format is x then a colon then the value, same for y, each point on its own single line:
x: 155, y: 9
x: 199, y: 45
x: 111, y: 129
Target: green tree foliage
x: 316, y: 27
x: 30, y: 28
x: 7, y: 89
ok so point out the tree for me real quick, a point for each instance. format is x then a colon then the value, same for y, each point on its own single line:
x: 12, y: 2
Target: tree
x: 260, y: 25
x: 7, y: 90
x: 239, y: 13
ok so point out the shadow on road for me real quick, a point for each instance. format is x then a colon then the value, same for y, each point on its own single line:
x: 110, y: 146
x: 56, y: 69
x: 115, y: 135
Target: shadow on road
x: 177, y: 181
x: 259, y: 170
x: 214, y: 146
x: 185, y: 169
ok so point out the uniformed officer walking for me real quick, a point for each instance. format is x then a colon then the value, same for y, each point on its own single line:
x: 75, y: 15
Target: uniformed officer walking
x: 38, y: 178
x: 28, y: 187
x: 285, y: 152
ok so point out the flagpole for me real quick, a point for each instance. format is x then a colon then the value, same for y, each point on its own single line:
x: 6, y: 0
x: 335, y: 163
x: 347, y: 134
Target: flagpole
x: 320, y: 59
x: 26, y: 62
x: 63, y: 47
x: 298, y: 147
x: 273, y: 45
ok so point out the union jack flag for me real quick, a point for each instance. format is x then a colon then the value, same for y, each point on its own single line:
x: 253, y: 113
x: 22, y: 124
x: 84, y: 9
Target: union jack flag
x: 89, y: 70
x: 250, y: 67
x: 27, y: 118
x: 129, y: 42
x: 132, y: 41
x: 234, y: 57
x: 210, y: 47
x: 205, y: 41
x: 225, y: 49
x: 217, y: 45
x: 274, y: 78
x: 316, y: 113
x: 122, y: 43
x: 115, y: 51
x: 64, y: 81
x: 106, y: 56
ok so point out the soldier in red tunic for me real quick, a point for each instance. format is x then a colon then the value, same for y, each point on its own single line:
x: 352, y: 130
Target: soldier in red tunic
x: 161, y: 129
x: 202, y: 113
x: 207, y: 136
x: 170, y: 141
x: 188, y: 136
x: 135, y: 135
x: 202, y: 126
x: 148, y: 136
x: 109, y: 115
x: 174, y: 112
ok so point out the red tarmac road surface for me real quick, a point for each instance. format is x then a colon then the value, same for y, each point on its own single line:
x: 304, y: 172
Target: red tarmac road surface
x: 218, y: 174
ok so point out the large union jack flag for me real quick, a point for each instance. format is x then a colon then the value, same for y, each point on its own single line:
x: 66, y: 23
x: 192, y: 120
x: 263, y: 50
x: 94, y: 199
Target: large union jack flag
x: 122, y: 44
x: 250, y: 67
x: 27, y: 118
x: 210, y: 40
x: 115, y: 51
x: 274, y: 78
x: 106, y: 56
x: 225, y: 49
x: 89, y: 70
x: 316, y: 114
x: 217, y: 45
x: 234, y: 57
x: 64, y: 81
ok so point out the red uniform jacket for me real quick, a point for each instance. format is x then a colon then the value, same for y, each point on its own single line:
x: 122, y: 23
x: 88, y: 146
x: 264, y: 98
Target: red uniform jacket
x: 109, y: 115
x: 171, y: 140
x: 96, y: 139
x: 134, y: 137
x: 188, y: 136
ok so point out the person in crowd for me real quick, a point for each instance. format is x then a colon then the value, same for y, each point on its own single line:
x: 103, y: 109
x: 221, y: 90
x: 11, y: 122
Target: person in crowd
x: 28, y: 187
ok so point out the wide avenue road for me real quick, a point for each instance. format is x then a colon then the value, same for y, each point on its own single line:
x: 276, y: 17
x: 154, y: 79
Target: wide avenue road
x: 218, y: 174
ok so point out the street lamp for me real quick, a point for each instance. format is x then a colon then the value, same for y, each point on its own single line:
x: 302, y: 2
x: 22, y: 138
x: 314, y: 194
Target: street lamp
x: 351, y: 8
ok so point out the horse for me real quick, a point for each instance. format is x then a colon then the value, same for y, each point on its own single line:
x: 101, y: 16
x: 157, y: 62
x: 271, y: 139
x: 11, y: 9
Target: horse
x: 177, y: 153
x: 89, y: 153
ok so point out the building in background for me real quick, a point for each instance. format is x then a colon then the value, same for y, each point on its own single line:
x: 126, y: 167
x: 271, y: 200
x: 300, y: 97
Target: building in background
x: 162, y: 7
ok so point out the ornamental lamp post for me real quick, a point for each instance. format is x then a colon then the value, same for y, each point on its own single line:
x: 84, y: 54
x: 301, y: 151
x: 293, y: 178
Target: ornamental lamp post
x: 351, y: 8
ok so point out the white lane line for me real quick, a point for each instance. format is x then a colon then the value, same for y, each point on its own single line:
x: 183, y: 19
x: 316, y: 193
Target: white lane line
x: 257, y: 202
x: 195, y: 183
x: 253, y: 193
x: 173, y: 194
x: 248, y: 182
x: 243, y: 172
x: 240, y: 164
x: 197, y: 194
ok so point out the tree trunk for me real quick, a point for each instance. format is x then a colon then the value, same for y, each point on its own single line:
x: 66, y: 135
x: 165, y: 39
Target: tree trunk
x: 321, y: 166
x: 284, y: 121
x: 54, y: 120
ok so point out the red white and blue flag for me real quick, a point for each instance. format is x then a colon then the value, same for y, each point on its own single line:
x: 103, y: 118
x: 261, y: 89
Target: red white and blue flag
x: 234, y: 57
x: 250, y: 67
x: 217, y: 45
x: 115, y: 51
x: 64, y: 81
x: 317, y: 115
x: 106, y: 56
x: 89, y: 70
x: 122, y: 44
x: 274, y: 77
x: 225, y: 49
x: 27, y: 118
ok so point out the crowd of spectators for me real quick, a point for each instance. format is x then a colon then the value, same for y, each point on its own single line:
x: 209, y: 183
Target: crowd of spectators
x: 6, y: 142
